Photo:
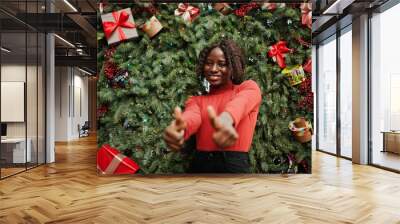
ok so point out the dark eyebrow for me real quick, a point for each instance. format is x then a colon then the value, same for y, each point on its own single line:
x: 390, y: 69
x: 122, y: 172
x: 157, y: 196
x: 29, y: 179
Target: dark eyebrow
x: 209, y: 59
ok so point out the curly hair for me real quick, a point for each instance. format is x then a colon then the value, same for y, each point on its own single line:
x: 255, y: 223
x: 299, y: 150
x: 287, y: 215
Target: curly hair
x: 233, y: 55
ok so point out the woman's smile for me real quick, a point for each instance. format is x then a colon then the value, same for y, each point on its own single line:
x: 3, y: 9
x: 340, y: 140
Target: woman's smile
x: 213, y: 78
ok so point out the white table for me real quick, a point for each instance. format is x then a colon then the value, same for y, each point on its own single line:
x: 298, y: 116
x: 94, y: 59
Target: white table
x: 18, y: 149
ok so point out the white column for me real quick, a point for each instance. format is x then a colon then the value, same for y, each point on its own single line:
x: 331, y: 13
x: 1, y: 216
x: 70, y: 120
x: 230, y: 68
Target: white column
x: 360, y: 90
x: 50, y: 93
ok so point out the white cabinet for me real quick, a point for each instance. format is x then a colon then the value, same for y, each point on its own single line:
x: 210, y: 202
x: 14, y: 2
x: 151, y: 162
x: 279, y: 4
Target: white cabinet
x: 17, y: 148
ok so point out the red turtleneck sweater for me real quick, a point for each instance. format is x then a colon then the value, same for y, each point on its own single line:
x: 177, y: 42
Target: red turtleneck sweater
x: 240, y: 101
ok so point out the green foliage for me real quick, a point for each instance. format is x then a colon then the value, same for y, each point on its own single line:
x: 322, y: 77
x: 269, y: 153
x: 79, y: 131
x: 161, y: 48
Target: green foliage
x: 162, y: 76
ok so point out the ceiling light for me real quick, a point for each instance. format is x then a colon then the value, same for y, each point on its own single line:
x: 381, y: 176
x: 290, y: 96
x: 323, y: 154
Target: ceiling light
x: 338, y: 6
x: 65, y: 41
x: 70, y: 5
x: 5, y: 50
x: 86, y: 72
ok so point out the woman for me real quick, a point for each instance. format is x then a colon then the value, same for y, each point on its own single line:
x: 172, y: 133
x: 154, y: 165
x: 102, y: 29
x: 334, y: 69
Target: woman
x: 224, y: 119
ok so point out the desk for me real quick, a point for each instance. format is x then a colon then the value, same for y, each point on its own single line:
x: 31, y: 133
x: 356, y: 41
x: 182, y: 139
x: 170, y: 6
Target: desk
x: 15, y: 148
x: 391, y: 141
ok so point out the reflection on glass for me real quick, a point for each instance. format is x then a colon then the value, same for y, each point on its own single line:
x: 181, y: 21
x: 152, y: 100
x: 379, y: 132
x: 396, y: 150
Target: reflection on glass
x: 23, y: 85
x: 13, y: 85
x: 346, y: 94
x: 327, y: 96
x: 385, y: 84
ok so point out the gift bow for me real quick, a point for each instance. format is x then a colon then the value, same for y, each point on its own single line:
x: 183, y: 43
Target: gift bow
x: 121, y: 20
x: 277, y: 52
x: 187, y: 11
x: 306, y: 14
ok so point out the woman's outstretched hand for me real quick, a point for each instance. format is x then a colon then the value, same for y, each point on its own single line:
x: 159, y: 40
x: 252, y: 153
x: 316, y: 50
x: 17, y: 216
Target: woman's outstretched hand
x: 225, y: 134
x: 173, y: 134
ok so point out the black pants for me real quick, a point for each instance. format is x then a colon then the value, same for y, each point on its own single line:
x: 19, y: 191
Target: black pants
x: 220, y: 162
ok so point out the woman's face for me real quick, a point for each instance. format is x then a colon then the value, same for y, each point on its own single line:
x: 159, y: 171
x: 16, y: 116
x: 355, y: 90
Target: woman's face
x: 216, y: 69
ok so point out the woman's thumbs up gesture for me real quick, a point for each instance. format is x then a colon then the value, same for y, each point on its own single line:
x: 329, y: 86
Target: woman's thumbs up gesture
x: 173, y: 134
x: 225, y: 134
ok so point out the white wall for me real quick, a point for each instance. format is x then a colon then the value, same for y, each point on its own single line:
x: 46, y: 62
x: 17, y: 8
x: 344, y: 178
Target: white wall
x: 12, y: 73
x: 61, y: 103
x: 71, y: 94
x: 80, y: 101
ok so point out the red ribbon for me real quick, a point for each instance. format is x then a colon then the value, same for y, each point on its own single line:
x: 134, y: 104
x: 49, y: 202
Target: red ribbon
x: 121, y: 20
x: 277, y: 51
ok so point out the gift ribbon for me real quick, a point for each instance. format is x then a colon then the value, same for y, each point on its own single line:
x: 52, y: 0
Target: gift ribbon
x: 114, y: 164
x: 121, y: 20
x: 187, y: 11
x: 293, y: 128
x: 306, y: 14
x: 277, y: 51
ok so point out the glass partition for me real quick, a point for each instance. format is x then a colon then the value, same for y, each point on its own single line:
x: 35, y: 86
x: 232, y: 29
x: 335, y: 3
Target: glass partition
x: 327, y: 95
x: 22, y: 87
x: 14, y: 54
x: 385, y: 89
x: 346, y: 93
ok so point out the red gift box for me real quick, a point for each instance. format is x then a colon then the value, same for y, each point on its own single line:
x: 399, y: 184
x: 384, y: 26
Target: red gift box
x: 119, y: 26
x: 111, y: 161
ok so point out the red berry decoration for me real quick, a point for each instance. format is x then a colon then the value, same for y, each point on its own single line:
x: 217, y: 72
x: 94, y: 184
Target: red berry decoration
x: 102, y: 110
x: 110, y: 69
x: 246, y: 8
x: 307, y: 103
x: 305, y: 86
